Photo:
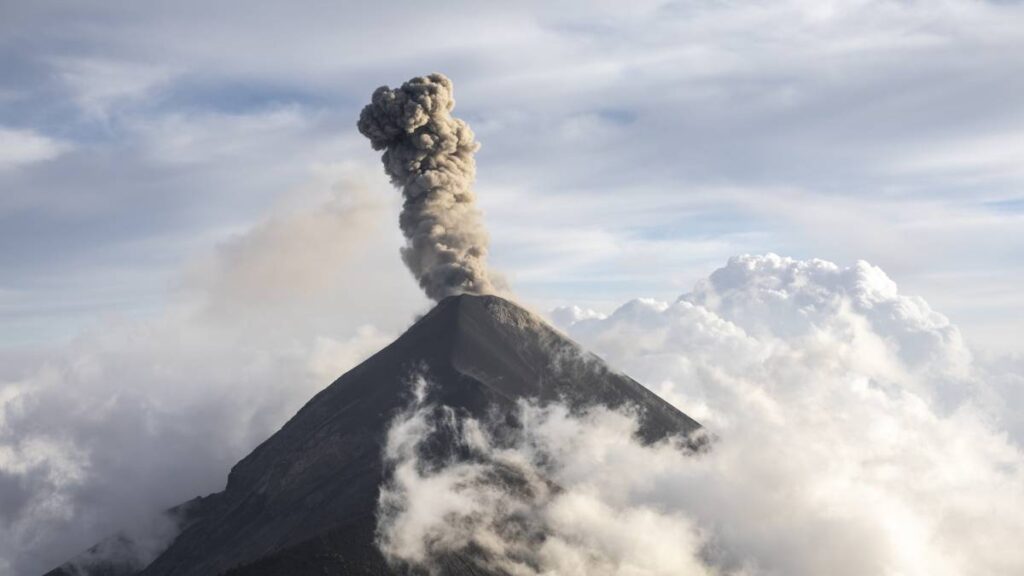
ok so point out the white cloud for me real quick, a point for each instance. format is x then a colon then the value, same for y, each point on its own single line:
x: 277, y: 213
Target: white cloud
x: 608, y: 126
x: 22, y: 147
x: 565, y: 316
x: 855, y: 434
x: 100, y: 86
x: 990, y: 157
x: 217, y: 138
x: 544, y: 504
x: 136, y: 416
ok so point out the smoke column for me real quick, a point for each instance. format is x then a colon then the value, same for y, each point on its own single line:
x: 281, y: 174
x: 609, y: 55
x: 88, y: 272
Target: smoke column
x: 429, y: 155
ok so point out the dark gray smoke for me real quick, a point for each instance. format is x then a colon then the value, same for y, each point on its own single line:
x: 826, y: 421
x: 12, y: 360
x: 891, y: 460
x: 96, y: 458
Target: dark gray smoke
x: 429, y: 155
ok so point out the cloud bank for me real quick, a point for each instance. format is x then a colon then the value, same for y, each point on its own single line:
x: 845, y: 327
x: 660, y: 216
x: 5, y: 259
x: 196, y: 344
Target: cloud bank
x: 681, y: 118
x: 136, y: 416
x: 542, y: 502
x: 855, y: 435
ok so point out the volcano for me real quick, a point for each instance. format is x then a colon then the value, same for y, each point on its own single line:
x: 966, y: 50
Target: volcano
x: 304, y: 502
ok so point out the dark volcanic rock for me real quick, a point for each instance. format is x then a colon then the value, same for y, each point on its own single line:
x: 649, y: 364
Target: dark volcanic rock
x: 303, y: 502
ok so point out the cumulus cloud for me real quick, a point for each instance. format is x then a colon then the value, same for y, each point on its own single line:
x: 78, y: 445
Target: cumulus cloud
x: 855, y: 435
x: 134, y: 417
x: 565, y: 316
x: 540, y: 502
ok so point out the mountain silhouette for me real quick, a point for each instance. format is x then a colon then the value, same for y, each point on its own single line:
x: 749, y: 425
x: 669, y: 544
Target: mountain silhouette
x: 304, y: 501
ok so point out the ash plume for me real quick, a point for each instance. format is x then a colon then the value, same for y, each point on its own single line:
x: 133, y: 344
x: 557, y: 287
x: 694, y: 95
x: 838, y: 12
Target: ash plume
x: 428, y: 153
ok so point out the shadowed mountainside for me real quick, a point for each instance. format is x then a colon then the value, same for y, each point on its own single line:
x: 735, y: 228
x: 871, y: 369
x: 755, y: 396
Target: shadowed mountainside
x: 304, y: 501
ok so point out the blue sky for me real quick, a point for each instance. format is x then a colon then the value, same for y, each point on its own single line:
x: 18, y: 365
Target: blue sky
x: 627, y: 151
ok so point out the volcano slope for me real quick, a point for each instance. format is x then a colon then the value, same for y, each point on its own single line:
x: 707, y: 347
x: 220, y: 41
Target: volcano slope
x: 304, y: 501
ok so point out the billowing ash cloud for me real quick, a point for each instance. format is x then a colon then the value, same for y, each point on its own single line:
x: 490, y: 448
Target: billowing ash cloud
x: 428, y: 153
x: 856, y: 434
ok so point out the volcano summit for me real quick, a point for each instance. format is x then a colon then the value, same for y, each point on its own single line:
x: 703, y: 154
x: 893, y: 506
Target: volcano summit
x: 305, y: 501
x: 309, y: 499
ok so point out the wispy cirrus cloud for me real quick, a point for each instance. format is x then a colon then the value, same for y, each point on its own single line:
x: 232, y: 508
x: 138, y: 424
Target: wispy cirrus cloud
x: 629, y: 114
